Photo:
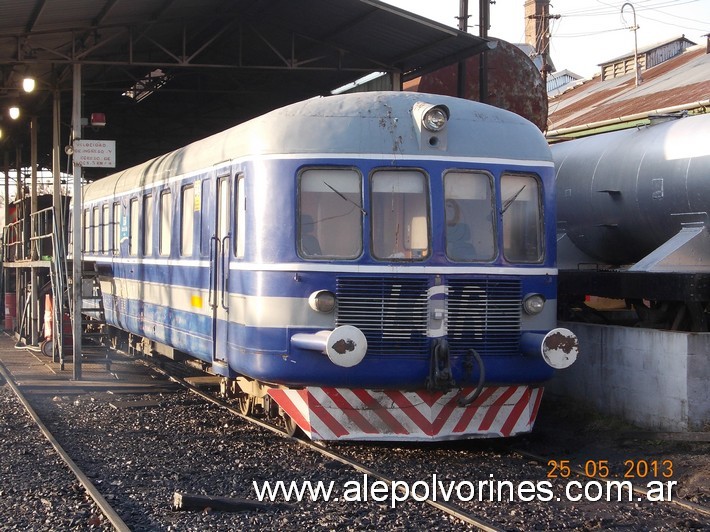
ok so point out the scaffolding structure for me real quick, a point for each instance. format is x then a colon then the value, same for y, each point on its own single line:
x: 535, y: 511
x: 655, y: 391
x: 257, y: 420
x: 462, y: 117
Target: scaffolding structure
x: 39, y: 289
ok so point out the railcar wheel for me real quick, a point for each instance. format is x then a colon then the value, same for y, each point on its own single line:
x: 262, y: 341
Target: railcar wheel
x: 46, y: 347
x: 245, y: 404
x: 292, y: 428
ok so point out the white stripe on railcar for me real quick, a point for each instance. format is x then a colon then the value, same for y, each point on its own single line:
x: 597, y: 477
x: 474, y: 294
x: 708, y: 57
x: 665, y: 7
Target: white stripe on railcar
x: 253, y: 311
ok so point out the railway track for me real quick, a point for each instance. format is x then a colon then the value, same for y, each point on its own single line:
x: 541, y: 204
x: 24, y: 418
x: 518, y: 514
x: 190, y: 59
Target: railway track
x: 108, y: 511
x: 220, y: 439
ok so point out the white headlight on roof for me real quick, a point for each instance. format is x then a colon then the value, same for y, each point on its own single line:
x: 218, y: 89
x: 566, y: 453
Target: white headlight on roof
x: 435, y: 118
x: 430, y: 123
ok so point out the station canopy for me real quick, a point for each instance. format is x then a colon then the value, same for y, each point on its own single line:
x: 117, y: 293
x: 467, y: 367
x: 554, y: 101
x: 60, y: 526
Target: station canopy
x: 167, y: 72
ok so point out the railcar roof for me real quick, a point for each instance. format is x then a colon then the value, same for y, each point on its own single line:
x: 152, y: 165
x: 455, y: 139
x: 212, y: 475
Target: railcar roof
x: 379, y: 124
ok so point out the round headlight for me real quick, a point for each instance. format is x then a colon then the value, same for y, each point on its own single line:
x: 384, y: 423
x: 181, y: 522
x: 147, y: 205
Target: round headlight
x: 435, y: 119
x: 322, y: 301
x: 533, y: 304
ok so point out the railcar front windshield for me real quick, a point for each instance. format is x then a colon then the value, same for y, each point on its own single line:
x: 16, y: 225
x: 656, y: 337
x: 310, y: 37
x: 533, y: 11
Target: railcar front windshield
x: 521, y: 209
x: 330, y: 214
x: 469, y: 207
x: 400, y: 221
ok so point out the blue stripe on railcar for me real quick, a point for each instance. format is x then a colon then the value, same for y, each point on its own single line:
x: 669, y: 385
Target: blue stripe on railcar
x: 184, y: 330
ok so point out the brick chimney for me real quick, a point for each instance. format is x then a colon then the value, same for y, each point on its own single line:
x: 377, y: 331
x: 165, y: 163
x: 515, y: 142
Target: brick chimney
x: 535, y: 13
x: 537, y: 30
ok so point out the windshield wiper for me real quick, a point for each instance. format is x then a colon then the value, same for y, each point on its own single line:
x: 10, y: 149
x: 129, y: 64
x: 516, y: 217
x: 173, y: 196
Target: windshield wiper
x: 345, y: 198
x: 510, y: 200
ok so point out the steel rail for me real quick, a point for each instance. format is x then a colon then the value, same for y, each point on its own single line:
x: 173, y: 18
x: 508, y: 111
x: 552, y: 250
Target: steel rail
x: 91, y: 490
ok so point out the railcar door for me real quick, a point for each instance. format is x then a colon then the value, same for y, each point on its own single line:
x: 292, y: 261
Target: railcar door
x: 219, y: 271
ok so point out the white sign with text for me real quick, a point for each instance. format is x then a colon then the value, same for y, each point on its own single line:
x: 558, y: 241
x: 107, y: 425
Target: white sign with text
x: 95, y: 153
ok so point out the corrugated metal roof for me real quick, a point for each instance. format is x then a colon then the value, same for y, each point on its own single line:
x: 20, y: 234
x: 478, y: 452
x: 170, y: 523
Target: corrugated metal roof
x: 682, y: 80
x: 686, y: 42
x: 227, y: 60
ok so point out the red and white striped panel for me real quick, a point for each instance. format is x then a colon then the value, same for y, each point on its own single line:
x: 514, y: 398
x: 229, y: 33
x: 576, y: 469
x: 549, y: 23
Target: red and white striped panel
x: 356, y: 414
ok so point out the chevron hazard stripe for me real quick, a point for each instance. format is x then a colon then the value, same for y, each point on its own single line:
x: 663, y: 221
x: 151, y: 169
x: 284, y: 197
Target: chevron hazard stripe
x: 357, y: 414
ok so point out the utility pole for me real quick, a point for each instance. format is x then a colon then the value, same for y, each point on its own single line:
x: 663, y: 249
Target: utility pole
x: 634, y: 28
x: 34, y: 232
x: 461, y: 73
x: 76, y: 227
x: 484, y: 17
x: 484, y: 22
x: 541, y: 20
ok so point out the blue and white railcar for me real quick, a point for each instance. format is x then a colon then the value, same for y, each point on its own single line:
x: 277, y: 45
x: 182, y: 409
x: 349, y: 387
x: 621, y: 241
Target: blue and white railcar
x: 379, y: 265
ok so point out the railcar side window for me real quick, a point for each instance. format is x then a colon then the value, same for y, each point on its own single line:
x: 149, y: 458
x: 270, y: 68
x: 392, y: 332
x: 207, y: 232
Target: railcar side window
x: 97, y: 230
x: 204, y: 188
x: 241, y: 210
x: 330, y: 214
x: 166, y: 222
x: 116, y: 228
x: 223, y: 214
x: 469, y: 208
x: 147, y: 225
x: 133, y: 228
x: 87, y: 231
x: 187, y: 205
x: 521, y: 208
x: 106, y: 227
x: 400, y: 215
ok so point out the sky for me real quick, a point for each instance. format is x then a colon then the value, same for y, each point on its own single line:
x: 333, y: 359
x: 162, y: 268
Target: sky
x: 588, y: 32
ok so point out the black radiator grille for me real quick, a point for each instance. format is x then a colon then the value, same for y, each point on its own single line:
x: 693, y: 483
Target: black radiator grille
x: 484, y: 314
x: 392, y: 313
